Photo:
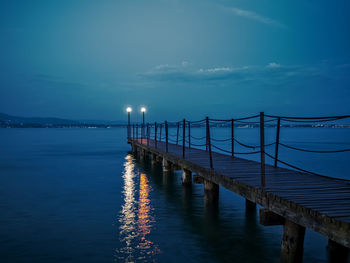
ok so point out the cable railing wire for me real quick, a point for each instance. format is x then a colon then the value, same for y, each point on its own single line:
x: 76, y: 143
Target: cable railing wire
x: 198, y: 145
x: 195, y: 122
x: 254, y: 122
x: 308, y: 118
x: 221, y: 140
x: 238, y: 119
x: 309, y: 121
x: 198, y: 138
x: 252, y: 146
x: 314, y: 151
x: 221, y: 149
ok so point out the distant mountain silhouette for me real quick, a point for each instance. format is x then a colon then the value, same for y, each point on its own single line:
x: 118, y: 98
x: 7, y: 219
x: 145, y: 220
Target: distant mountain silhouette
x: 5, y: 118
x: 17, y: 120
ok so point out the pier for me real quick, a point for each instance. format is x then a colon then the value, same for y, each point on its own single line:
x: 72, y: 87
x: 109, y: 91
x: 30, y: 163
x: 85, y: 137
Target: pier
x: 292, y: 197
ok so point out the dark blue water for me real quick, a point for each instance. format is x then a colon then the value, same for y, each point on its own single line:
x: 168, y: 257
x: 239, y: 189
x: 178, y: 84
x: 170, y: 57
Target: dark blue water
x: 77, y: 195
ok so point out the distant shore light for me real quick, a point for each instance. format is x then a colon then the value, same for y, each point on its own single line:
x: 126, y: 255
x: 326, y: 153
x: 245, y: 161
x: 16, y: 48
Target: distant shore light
x: 128, y: 109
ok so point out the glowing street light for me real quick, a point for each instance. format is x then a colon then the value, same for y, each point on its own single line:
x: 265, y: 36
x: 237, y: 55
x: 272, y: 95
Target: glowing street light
x: 128, y: 110
x: 143, y: 110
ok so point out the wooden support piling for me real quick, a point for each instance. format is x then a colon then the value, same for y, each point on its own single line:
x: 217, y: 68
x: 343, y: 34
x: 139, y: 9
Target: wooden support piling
x: 211, y: 193
x: 142, y: 154
x: 249, y: 205
x: 134, y: 148
x: 337, y: 253
x: 197, y: 179
x: 166, y: 165
x: 153, y: 158
x: 292, y: 245
x: 186, y: 177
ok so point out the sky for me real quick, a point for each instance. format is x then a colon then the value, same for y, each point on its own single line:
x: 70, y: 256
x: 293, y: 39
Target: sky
x: 89, y: 60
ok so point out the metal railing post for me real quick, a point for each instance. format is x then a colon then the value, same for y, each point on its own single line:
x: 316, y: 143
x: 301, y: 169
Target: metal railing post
x: 262, y: 148
x: 232, y: 138
x: 189, y: 135
x: 160, y: 132
x: 155, y: 134
x: 206, y: 136
x: 147, y: 134
x: 166, y: 136
x: 137, y: 131
x: 183, y: 138
x: 177, y: 133
x: 277, y: 139
x: 209, y: 143
x: 127, y: 132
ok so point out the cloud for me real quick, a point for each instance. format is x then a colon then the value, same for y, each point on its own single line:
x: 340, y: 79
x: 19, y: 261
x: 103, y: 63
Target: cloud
x: 273, y: 65
x: 215, y: 70
x: 185, y: 63
x: 254, y: 16
x: 272, y: 74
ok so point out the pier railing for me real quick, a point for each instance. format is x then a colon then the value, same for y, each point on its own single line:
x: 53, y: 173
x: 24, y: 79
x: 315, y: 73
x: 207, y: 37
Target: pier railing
x: 187, y: 140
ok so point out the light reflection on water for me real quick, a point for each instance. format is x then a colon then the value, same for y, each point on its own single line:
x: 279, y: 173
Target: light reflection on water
x: 136, y: 220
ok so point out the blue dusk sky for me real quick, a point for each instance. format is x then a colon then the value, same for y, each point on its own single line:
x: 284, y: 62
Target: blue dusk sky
x: 180, y: 58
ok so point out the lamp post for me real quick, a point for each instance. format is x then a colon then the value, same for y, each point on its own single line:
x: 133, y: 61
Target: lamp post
x: 128, y: 110
x: 143, y: 110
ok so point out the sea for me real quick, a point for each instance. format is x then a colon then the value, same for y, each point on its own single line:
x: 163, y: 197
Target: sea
x: 79, y: 195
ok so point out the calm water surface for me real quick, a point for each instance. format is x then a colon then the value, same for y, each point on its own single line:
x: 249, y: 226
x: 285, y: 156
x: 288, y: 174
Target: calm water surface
x: 77, y: 195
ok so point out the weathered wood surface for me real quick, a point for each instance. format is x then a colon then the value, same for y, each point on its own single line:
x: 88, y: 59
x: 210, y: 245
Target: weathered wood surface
x: 316, y: 202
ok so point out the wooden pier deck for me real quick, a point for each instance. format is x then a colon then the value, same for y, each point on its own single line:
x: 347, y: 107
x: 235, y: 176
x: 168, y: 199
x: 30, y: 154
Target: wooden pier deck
x: 306, y: 200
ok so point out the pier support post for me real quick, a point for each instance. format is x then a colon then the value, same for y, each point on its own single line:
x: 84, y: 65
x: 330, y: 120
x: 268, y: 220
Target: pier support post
x: 197, y: 179
x: 292, y: 246
x: 142, y: 154
x: 166, y: 165
x: 337, y: 253
x: 159, y: 159
x: 186, y: 177
x: 153, y: 158
x: 211, y: 192
x: 134, y: 149
x: 249, y: 205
